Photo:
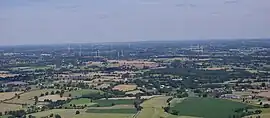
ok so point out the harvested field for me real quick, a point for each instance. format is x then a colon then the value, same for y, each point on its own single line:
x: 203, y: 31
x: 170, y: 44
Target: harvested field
x: 70, y: 113
x: 7, y: 95
x: 134, y: 92
x: 125, y: 88
x: 52, y: 97
x: 217, y: 68
x: 264, y: 94
x: 28, y: 97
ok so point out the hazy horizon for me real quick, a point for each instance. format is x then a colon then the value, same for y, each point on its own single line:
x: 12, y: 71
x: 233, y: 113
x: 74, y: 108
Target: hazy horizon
x: 24, y: 22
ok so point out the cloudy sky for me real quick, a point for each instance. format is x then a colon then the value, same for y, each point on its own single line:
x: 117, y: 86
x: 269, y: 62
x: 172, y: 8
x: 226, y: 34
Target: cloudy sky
x: 70, y: 21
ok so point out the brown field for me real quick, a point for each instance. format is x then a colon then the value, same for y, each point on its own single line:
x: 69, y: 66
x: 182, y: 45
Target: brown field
x: 125, y: 88
x: 134, y: 92
x: 217, y: 68
x: 5, y: 75
x: 137, y: 63
x: 7, y: 95
x: 70, y: 113
x: 8, y: 107
x: 264, y: 94
x: 52, y: 97
x: 28, y: 97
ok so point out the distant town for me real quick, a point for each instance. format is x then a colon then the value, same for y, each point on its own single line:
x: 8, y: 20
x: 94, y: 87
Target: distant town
x: 162, y: 79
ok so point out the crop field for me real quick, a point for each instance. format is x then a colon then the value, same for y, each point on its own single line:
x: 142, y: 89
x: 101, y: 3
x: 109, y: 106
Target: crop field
x: 125, y: 88
x: 70, y: 113
x: 207, y: 107
x: 79, y: 93
x: 107, y: 103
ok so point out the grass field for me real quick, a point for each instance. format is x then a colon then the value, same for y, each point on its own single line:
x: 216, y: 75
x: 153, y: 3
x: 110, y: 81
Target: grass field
x: 122, y: 111
x: 107, y: 103
x: 265, y: 114
x: 80, y: 102
x: 8, y: 107
x: 70, y: 113
x: 152, y: 108
x: 207, y: 107
x: 79, y: 93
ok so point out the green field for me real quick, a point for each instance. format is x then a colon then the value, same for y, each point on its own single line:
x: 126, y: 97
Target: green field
x: 107, y: 103
x: 122, y: 111
x: 80, y: 102
x: 207, y: 107
x: 80, y: 93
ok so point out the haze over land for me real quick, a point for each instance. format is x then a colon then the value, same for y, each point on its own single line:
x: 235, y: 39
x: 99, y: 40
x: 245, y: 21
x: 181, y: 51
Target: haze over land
x: 70, y: 21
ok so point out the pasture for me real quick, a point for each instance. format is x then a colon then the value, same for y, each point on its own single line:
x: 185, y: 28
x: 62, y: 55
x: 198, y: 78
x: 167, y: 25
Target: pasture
x: 125, y: 88
x: 107, y: 103
x: 80, y: 102
x: 7, y: 107
x: 207, y: 107
x: 152, y: 108
x: 80, y: 93
x: 122, y: 111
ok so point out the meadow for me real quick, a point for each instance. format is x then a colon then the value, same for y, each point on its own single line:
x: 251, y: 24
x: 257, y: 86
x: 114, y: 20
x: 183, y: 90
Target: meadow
x: 82, y: 92
x: 107, y: 103
x: 207, y: 107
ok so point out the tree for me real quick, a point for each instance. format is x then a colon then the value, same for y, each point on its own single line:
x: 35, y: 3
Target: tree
x: 18, y: 96
x: 77, y: 112
x: 57, y: 116
x: 62, y: 93
x: 113, y: 104
x: 51, y: 115
x: 174, y: 112
x: 204, y: 95
x: 69, y: 95
x: 258, y: 111
x: 41, y: 94
x: 36, y: 100
x: 52, y: 93
x: 266, y: 105
x: 47, y: 93
x: 263, y: 85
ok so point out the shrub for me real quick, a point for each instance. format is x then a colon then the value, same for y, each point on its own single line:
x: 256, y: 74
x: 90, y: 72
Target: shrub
x: 77, y: 112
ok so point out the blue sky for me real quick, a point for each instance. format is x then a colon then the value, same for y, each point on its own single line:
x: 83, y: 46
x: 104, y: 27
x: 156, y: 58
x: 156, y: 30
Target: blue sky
x: 86, y: 21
